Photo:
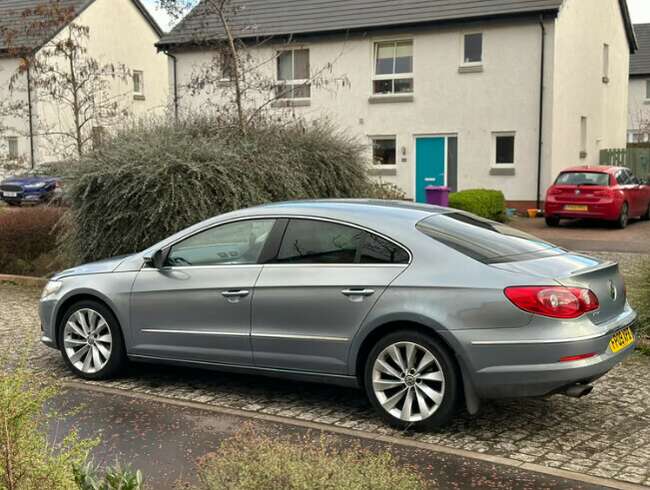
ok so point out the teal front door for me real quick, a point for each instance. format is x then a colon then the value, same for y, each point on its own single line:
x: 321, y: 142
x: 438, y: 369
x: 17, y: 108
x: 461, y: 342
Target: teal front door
x: 429, y: 165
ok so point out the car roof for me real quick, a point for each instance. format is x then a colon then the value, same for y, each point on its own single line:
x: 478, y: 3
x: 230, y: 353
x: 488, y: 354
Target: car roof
x: 594, y: 169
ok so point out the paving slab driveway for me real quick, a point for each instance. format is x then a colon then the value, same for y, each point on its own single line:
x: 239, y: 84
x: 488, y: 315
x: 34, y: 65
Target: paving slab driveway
x: 595, y: 236
x: 606, y: 434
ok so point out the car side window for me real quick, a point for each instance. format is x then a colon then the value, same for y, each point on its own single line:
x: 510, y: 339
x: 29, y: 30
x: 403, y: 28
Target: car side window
x: 321, y: 242
x: 376, y: 250
x: 623, y: 178
x: 238, y: 243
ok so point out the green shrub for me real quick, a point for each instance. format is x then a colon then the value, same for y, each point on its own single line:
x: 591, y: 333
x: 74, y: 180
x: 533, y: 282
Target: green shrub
x: 482, y: 202
x: 156, y: 178
x: 28, y: 241
x: 28, y: 460
x: 90, y: 477
x: 638, y: 289
x: 252, y: 462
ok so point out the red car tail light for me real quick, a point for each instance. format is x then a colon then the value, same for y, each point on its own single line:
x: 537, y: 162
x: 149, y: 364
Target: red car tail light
x: 553, y: 191
x: 553, y: 301
x: 603, y: 193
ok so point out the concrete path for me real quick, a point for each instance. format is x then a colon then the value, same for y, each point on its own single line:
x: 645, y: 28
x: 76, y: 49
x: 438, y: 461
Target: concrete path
x: 166, y: 440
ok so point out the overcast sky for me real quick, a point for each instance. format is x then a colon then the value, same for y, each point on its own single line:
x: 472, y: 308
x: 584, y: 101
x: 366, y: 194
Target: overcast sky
x: 640, y: 10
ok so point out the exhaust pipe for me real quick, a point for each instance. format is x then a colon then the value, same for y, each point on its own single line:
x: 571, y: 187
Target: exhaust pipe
x: 578, y: 391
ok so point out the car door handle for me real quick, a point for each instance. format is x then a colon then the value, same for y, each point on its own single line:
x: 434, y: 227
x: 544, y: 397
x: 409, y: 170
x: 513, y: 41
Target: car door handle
x: 242, y: 293
x: 358, y: 292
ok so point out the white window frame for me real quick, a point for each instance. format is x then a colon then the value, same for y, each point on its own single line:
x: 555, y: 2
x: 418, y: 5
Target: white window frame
x: 140, y: 73
x: 372, y: 149
x: 647, y: 90
x: 606, y: 62
x: 297, y: 82
x: 392, y: 76
x: 463, y: 63
x: 13, y: 141
x: 493, y: 160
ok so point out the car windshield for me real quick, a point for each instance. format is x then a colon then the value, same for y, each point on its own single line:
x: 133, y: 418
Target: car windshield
x: 583, y: 178
x: 484, y: 240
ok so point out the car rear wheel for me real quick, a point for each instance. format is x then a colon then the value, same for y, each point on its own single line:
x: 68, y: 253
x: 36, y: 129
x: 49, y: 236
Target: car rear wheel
x: 552, y: 221
x: 91, y: 341
x: 624, y: 217
x: 412, y: 381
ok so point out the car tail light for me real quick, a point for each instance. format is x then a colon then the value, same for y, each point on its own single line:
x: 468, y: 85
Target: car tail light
x: 553, y: 301
x: 554, y: 191
x: 603, y: 193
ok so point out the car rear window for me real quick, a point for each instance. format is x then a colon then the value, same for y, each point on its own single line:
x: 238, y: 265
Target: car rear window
x: 484, y: 240
x: 583, y: 178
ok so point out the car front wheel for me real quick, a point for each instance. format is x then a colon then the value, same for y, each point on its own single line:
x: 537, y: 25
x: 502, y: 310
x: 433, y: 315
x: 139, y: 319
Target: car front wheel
x: 412, y: 381
x: 91, y: 341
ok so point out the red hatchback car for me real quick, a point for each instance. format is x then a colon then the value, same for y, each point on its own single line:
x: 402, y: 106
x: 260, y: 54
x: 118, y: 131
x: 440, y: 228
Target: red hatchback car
x: 604, y: 193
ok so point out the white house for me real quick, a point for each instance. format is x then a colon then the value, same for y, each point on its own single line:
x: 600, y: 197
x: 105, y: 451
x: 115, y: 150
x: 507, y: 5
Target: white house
x: 639, y: 98
x: 498, y: 94
x: 120, y: 32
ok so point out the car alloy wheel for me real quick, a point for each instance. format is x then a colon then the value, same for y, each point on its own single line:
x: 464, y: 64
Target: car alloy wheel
x: 408, y: 381
x: 87, y: 341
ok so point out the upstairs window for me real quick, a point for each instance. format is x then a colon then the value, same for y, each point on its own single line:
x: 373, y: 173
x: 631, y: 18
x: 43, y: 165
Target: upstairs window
x: 12, y: 144
x: 384, y: 151
x: 138, y: 83
x: 293, y: 74
x: 393, y: 68
x: 473, y: 49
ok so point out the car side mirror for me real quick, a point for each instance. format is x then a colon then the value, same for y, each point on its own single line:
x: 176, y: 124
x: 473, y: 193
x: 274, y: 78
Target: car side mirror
x: 158, y: 259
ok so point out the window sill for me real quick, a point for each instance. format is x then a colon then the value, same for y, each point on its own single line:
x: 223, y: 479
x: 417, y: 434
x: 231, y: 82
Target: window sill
x: 390, y: 99
x: 503, y: 170
x: 138, y: 97
x: 387, y: 171
x: 291, y: 103
x: 470, y: 68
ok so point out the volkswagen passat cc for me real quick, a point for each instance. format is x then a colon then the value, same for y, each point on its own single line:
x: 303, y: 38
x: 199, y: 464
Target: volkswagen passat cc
x: 420, y: 306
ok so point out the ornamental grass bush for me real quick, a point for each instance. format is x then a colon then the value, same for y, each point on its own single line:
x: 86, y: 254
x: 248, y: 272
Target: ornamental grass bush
x: 249, y: 461
x: 28, y: 241
x: 486, y: 203
x: 155, y: 178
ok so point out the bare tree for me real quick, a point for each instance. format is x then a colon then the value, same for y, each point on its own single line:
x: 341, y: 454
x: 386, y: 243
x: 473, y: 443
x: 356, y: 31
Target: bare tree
x: 238, y: 73
x: 79, y: 92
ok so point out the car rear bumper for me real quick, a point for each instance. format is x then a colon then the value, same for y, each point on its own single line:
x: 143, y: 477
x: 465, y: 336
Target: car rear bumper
x: 514, y: 369
x: 609, y: 211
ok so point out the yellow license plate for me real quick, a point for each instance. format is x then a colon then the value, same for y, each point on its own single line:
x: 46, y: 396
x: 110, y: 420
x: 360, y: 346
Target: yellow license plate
x: 621, y: 340
x: 572, y: 207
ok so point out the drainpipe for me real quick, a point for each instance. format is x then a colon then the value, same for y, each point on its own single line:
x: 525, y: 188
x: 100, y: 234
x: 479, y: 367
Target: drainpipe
x: 541, y: 113
x: 175, y: 82
x: 30, y: 116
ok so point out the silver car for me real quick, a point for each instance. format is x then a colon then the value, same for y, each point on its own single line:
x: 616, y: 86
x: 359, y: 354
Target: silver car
x: 423, y: 307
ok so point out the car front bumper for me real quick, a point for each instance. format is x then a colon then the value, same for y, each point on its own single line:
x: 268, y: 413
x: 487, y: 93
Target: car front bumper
x: 532, y: 368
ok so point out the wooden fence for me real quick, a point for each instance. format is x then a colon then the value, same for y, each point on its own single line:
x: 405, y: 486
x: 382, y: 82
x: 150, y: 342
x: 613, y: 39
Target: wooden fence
x: 636, y: 158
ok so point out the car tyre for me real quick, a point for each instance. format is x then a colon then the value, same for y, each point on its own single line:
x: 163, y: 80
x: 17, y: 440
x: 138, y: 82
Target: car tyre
x: 91, y: 341
x: 552, y: 221
x: 412, y: 393
x: 624, y: 217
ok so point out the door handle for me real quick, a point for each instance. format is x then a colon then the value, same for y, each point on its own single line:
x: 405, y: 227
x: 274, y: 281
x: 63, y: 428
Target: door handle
x: 358, y: 292
x: 235, y: 294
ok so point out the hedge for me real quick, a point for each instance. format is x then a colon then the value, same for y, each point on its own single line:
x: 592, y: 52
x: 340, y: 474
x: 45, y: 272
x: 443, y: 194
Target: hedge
x: 28, y: 239
x: 156, y: 178
x: 487, y: 203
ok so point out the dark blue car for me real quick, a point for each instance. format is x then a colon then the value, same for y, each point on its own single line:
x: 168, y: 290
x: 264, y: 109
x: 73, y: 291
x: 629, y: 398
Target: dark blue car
x: 30, y: 189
